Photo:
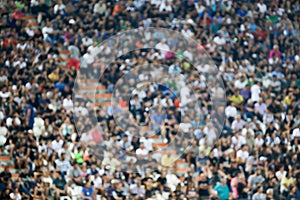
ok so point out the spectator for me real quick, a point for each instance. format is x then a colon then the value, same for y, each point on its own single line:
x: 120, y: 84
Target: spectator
x: 222, y: 190
x: 59, y: 185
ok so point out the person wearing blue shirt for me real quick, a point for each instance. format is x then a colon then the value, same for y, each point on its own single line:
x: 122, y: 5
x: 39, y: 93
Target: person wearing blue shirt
x: 252, y: 26
x: 29, y: 114
x: 87, y: 192
x: 222, y: 189
x: 60, y: 85
x: 243, y: 12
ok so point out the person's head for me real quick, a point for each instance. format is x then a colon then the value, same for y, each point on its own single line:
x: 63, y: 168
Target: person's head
x: 257, y: 172
x: 142, y: 145
x: 63, y: 156
x: 6, y: 169
x: 288, y: 175
x: 270, y: 192
x: 58, y: 175
x: 75, y: 165
x: 282, y: 168
x: 87, y: 185
x: 223, y: 181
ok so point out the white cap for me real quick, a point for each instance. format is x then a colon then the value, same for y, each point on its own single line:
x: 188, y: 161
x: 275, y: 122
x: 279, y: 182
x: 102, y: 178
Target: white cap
x: 28, y: 85
x: 190, y: 21
x: 14, y: 87
x: 262, y: 158
x: 142, y: 139
x: 72, y: 21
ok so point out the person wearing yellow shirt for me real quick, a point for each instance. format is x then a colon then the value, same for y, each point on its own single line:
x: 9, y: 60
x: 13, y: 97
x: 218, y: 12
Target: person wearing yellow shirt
x: 54, y: 76
x: 167, y: 160
x: 237, y: 99
x: 288, y: 99
x: 286, y: 184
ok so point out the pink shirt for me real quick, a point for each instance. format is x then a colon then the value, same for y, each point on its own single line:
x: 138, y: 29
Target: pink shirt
x: 233, y: 184
x: 234, y: 188
x: 276, y: 52
x: 97, y: 136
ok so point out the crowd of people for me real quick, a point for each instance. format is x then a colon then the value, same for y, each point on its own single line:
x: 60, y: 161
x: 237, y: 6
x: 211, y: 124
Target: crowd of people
x: 231, y: 114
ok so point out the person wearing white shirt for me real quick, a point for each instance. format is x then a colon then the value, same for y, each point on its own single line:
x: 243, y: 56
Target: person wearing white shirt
x: 186, y: 32
x: 280, y: 173
x: 167, y: 101
x: 204, y: 68
x: 296, y: 133
x: 165, y: 6
x: 156, y: 2
x: 211, y: 134
x: 185, y: 95
x: 219, y: 39
x: 57, y: 144
x: 247, y: 129
x: 186, y: 125
x: 142, y: 152
x: 262, y: 6
x: 86, y: 41
x: 241, y: 141
x: 62, y: 164
x: 255, y: 92
x: 59, y: 8
x: 47, y: 32
x: 100, y: 8
x: 163, y: 47
x: 238, y: 124
x: 199, y: 7
x: 48, y: 29
x: 259, y: 141
x: 242, y: 154
x: 241, y: 82
x: 15, y: 195
x: 188, y: 55
x: 141, y: 93
x: 148, y: 143
x: 4, y: 94
x: 89, y: 58
x: 97, y: 182
x: 94, y: 49
x: 231, y: 111
x: 68, y: 103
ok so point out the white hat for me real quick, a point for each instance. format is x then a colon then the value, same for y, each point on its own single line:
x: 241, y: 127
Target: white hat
x: 51, y: 107
x: 14, y: 87
x: 28, y: 85
x: 72, y: 21
x: 190, y: 21
x: 142, y: 139
x: 262, y: 158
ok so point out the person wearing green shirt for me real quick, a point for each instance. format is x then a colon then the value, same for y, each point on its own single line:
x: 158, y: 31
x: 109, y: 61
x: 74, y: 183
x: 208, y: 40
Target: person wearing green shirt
x: 79, y: 156
x: 222, y: 189
x: 273, y: 18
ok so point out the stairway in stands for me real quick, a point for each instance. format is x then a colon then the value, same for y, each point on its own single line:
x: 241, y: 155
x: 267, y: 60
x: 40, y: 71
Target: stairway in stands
x: 99, y: 95
x: 7, y: 161
x: 64, y: 53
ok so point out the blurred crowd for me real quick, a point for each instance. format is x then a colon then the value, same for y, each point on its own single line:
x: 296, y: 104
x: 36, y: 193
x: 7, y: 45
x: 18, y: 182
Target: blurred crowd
x: 252, y: 63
